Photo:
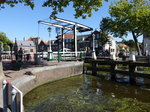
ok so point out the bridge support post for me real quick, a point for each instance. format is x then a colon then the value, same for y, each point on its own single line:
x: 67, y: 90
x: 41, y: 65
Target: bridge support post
x: 132, y: 69
x: 75, y: 40
x: 94, y: 70
x: 113, y: 73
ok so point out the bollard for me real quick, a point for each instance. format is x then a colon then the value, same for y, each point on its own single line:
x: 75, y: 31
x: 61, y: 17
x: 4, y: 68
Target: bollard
x: 113, y: 57
x: 4, y: 96
x: 94, y: 55
x: 149, y: 59
x: 132, y: 58
x: 59, y: 56
x: 13, y: 105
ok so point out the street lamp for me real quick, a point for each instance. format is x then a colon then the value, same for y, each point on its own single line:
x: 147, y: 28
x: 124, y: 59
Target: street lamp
x: 49, y: 30
x: 93, y: 52
x: 110, y: 44
x: 50, y: 53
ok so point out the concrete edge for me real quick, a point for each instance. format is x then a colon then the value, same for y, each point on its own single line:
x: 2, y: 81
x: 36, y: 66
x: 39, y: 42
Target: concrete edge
x: 34, y: 71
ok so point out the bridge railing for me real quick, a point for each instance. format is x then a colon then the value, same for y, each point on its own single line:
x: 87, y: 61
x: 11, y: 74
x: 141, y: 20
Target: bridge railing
x: 65, y: 55
x: 12, y: 98
x: 111, y: 66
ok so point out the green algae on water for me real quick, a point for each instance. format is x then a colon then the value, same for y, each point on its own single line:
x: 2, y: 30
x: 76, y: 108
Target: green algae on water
x: 84, y: 93
x: 44, y: 91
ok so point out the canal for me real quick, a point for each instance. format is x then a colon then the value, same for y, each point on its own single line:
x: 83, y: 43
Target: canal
x: 85, y: 93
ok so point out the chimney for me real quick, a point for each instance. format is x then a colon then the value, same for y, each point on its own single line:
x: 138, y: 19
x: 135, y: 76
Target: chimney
x: 24, y: 39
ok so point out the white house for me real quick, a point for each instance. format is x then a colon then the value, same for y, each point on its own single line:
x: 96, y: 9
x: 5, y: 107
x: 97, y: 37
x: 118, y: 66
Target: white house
x: 111, y: 46
x: 27, y: 46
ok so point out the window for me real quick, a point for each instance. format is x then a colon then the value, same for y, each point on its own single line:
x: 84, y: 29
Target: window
x: 97, y: 36
x: 31, y: 50
x: 112, y: 50
x: 66, y: 40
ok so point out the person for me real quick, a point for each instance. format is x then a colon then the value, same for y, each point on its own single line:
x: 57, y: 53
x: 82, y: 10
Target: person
x: 28, y: 55
x: 20, y: 54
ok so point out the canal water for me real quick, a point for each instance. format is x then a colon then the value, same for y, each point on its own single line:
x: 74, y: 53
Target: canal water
x: 85, y: 93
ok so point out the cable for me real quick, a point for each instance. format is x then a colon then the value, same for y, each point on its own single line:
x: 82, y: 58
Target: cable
x: 38, y: 29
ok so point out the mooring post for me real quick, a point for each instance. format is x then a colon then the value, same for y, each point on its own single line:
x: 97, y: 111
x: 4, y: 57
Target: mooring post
x: 94, y: 69
x: 83, y: 69
x: 13, y: 93
x: 132, y: 69
x: 113, y: 73
x: 4, y: 96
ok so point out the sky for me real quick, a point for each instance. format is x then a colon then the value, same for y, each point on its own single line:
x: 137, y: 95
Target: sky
x: 22, y: 22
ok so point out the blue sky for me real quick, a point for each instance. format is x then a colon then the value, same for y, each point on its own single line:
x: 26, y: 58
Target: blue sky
x: 21, y: 21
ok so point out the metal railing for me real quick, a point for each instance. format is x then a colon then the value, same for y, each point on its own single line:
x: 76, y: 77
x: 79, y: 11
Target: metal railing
x: 64, y: 55
x: 12, y: 98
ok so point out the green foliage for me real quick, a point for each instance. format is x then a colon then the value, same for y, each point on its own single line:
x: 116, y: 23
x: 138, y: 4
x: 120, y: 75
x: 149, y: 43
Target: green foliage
x: 83, y: 8
x: 104, y: 31
x: 131, y: 16
x: 103, y: 38
x: 4, y: 40
x: 128, y: 16
x: 130, y: 43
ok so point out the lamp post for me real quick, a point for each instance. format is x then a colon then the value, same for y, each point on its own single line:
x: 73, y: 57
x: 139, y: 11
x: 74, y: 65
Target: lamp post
x: 50, y: 53
x: 49, y: 31
x: 109, y: 42
x: 93, y: 51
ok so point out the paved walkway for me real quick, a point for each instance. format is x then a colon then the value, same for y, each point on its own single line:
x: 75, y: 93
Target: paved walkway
x: 12, y: 74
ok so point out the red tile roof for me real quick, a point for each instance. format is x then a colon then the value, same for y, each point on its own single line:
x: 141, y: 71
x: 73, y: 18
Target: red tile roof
x: 66, y: 36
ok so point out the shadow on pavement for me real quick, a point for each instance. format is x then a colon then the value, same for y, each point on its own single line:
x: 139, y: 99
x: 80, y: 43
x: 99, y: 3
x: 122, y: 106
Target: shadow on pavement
x: 17, y: 65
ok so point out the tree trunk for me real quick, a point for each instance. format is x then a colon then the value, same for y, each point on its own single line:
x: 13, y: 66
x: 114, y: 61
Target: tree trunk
x: 137, y: 44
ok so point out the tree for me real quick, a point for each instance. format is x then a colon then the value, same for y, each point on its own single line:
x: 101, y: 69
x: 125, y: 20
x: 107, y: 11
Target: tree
x: 83, y: 8
x: 104, y: 38
x: 4, y: 39
x: 129, y: 43
x: 128, y: 16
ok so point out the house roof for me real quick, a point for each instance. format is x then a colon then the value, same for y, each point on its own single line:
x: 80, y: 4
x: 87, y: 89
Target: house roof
x: 72, y: 35
x: 39, y: 39
x: 111, y: 38
x: 31, y: 38
x: 25, y: 43
x: 123, y: 45
x: 65, y: 36
x: 80, y: 36
x: 85, y: 36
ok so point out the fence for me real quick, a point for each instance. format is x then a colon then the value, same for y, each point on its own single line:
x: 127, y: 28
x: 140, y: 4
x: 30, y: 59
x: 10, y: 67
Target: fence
x: 95, y: 66
x: 12, y: 98
x: 65, y: 55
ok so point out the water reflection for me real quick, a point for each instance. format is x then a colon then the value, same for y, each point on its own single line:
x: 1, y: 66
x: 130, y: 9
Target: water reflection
x: 119, y: 90
x: 92, y: 95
